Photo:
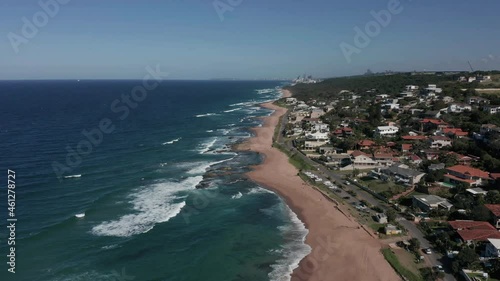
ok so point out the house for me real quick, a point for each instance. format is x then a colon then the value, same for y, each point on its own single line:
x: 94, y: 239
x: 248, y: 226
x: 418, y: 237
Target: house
x: 411, y: 88
x: 406, y: 147
x: 384, y: 159
x: 338, y: 160
x: 414, y: 159
x: 431, y: 124
x: 431, y: 154
x: 312, y: 145
x: 439, y: 141
x: 467, y: 175
x: 381, y: 218
x: 492, y: 248
x: 495, y: 212
x: 429, y: 202
x: 317, y: 113
x: 436, y: 167
x: 361, y: 159
x: 414, y: 138
x: 454, y: 132
x: 476, y: 191
x: 465, y: 159
x: 291, y: 101
x: 365, y: 144
x: 432, y: 88
x: 448, y: 99
x: 319, y: 136
x: 458, y: 108
x: 401, y: 173
x: 474, y: 231
x: 491, y: 109
x: 386, y: 131
x: 392, y: 230
x: 475, y: 100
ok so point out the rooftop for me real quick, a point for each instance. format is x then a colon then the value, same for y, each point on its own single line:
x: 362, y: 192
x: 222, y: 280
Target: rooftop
x: 466, y: 170
x: 494, y: 208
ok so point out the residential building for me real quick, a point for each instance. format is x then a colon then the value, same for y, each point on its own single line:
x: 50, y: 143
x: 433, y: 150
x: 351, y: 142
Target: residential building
x: 386, y: 131
x: 439, y: 141
x: 454, y: 132
x: 392, y: 230
x: 406, y: 147
x: 495, y: 212
x: 381, y: 218
x: 429, y: 202
x: 365, y: 144
x: 474, y: 231
x: 493, y: 248
x: 384, y: 159
x: 401, y: 173
x: 411, y: 88
x: 436, y: 167
x: 458, y: 107
x: 491, y: 109
x: 467, y: 175
x: 448, y: 99
x: 362, y: 160
x: 475, y: 100
x: 312, y: 145
x: 476, y: 191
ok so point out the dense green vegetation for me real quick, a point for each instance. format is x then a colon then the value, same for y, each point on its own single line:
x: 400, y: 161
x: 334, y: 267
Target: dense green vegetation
x: 386, y: 84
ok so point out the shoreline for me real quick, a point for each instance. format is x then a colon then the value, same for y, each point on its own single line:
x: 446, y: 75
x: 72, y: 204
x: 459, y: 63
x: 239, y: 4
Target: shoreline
x: 340, y: 248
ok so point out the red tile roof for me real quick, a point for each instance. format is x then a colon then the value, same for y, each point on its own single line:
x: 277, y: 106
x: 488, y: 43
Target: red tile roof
x: 495, y: 176
x: 474, y: 230
x: 494, y: 208
x: 357, y: 153
x: 444, y: 138
x: 406, y: 146
x: 414, y: 137
x: 366, y: 143
x: 459, y: 179
x: 434, y: 121
x: 466, y: 170
x: 455, y: 131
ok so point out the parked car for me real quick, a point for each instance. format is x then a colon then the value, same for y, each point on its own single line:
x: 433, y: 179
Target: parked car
x: 438, y: 268
x: 346, y: 197
x: 427, y: 251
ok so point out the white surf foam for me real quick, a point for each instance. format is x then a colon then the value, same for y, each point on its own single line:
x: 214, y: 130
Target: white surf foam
x: 73, y: 176
x: 265, y: 91
x: 207, y: 146
x: 80, y: 215
x: 293, y: 251
x: 231, y: 110
x: 172, y: 141
x: 237, y: 196
x: 201, y: 167
x: 152, y: 205
x: 210, y: 131
x: 206, y: 115
x: 257, y: 190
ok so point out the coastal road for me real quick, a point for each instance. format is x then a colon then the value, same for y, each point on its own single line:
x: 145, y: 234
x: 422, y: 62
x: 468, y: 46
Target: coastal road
x: 431, y: 260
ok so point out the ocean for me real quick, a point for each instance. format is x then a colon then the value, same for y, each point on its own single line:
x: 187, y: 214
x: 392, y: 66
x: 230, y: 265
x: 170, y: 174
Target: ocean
x: 106, y: 186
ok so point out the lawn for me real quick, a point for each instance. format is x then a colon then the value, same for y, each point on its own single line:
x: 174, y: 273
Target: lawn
x: 381, y: 186
x: 394, y: 261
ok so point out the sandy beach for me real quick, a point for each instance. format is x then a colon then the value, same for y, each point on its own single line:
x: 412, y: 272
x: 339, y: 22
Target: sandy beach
x: 341, y: 249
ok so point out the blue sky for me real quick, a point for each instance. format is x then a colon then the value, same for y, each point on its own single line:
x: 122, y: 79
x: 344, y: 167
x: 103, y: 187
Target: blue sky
x: 255, y: 39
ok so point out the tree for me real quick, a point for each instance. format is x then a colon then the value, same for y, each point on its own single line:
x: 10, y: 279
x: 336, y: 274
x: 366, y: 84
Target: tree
x: 492, y: 197
x: 466, y: 258
x: 414, y: 245
x: 391, y: 215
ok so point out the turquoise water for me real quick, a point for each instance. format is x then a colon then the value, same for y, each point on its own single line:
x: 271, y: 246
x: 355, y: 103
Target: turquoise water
x: 141, y: 215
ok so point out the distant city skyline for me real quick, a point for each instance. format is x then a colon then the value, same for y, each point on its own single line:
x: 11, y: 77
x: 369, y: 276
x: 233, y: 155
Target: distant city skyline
x: 71, y: 39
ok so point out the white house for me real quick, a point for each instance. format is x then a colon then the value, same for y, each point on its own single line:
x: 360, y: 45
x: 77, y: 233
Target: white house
x: 291, y: 100
x: 492, y: 109
x: 439, y: 141
x: 319, y: 136
x: 386, y: 131
x: 458, y: 108
x: 433, y: 88
x: 493, y: 248
x: 411, y: 88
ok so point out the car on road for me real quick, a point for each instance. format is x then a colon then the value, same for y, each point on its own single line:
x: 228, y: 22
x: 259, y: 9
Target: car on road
x: 346, y: 197
x: 438, y: 268
x: 347, y: 183
x: 427, y: 251
x: 338, y: 190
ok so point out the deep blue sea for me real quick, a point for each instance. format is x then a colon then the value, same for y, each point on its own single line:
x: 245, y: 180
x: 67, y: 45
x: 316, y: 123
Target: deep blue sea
x: 106, y: 185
